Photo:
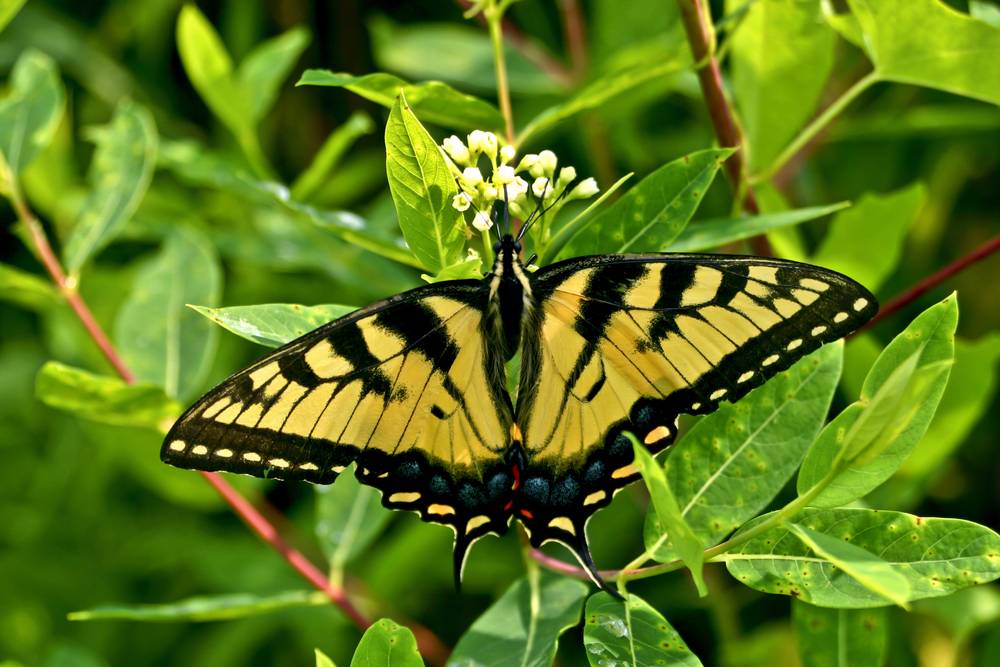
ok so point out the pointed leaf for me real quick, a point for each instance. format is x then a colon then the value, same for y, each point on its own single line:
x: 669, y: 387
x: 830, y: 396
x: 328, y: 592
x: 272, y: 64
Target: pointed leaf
x: 422, y: 189
x: 936, y: 556
x: 631, y: 633
x: 387, y: 644
x: 927, y: 43
x: 669, y: 517
x: 523, y: 627
x: 160, y: 338
x: 838, y: 637
x: 273, y: 324
x: 705, y: 235
x: 431, y: 101
x: 863, y: 566
x: 262, y: 72
x: 652, y: 214
x: 867, y: 442
x: 119, y: 175
x: 322, y: 660
x: 883, y: 221
x: 326, y: 160
x: 104, y: 398
x: 8, y: 10
x: 733, y: 463
x: 200, y: 609
x: 31, y: 110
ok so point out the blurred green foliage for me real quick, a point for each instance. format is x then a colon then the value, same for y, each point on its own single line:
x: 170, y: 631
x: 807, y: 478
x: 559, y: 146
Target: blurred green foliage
x: 173, y: 161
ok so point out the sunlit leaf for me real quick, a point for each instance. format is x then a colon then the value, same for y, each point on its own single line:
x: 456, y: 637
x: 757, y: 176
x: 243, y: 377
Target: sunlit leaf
x: 161, y: 339
x: 936, y: 556
x: 653, y: 212
x: 31, y: 109
x: 523, y: 627
x: 747, y: 450
x: 862, y: 566
x: 431, y: 101
x: 120, y: 173
x: 708, y: 234
x: 883, y: 221
x: 927, y: 43
x: 273, y: 324
x: 386, y: 643
x: 322, y: 660
x: 868, y: 441
x: 838, y: 637
x: 8, y: 10
x: 631, y: 633
x: 200, y: 609
x: 104, y: 398
x: 782, y: 54
x: 422, y: 189
x: 669, y: 519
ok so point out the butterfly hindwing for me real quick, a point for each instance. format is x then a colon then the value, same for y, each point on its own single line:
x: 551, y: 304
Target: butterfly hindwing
x: 407, y: 389
x: 630, y: 342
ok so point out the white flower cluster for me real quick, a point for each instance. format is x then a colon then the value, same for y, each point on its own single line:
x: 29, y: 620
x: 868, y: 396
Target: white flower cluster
x: 533, y: 181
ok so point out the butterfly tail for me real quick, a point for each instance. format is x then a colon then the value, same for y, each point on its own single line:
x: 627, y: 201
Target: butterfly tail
x: 459, y: 554
x: 581, y: 550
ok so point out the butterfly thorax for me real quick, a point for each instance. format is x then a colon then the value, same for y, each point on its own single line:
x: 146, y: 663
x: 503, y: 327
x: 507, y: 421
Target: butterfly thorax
x: 510, y: 294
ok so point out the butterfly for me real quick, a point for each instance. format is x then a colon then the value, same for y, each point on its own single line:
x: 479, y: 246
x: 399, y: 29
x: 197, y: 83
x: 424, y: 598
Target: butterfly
x: 412, y: 390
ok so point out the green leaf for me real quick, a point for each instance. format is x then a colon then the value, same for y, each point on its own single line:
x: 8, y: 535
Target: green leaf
x: 104, y: 398
x: 883, y: 221
x: 458, y: 53
x: 31, y: 110
x: 330, y: 154
x: 927, y: 43
x: 965, y: 612
x: 865, y: 444
x: 262, y: 72
x: 708, y: 234
x: 838, y: 637
x: 208, y: 608
x: 632, y: 633
x: 349, y: 516
x: 986, y: 11
x: 469, y: 268
x: 431, y: 101
x: 160, y: 338
x: 8, y: 10
x: 782, y: 54
x: 653, y: 212
x: 210, y: 68
x: 668, y: 516
x: 522, y: 628
x: 732, y: 463
x: 604, y: 89
x: 567, y: 230
x: 273, y: 324
x: 936, y: 556
x: 120, y: 173
x: 26, y: 289
x: 862, y: 566
x: 386, y: 643
x: 422, y: 189
x: 322, y: 660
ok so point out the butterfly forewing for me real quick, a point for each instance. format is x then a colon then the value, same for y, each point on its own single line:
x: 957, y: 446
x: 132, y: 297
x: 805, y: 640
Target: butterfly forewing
x: 628, y: 343
x: 407, y: 389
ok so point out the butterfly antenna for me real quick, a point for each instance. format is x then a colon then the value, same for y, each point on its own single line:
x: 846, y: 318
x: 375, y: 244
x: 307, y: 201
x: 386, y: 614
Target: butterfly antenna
x: 535, y: 215
x: 506, y: 211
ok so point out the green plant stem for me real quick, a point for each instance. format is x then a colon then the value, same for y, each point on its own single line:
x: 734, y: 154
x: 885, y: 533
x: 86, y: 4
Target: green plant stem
x: 250, y: 145
x: 815, y: 127
x: 493, y: 13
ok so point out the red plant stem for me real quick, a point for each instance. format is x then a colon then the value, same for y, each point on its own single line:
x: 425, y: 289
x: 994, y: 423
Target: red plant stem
x: 430, y: 646
x: 576, y: 36
x: 930, y: 282
x: 726, y: 130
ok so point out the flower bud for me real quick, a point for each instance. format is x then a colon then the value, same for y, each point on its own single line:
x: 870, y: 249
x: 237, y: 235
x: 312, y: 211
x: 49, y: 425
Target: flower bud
x: 548, y: 161
x: 490, y: 193
x: 541, y: 187
x: 584, y: 189
x: 507, y: 153
x: 483, y: 142
x: 504, y: 175
x: 527, y: 162
x: 456, y: 149
x: 566, y: 176
x: 482, y: 222
x: 517, y: 188
x: 461, y: 202
x: 471, y: 176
